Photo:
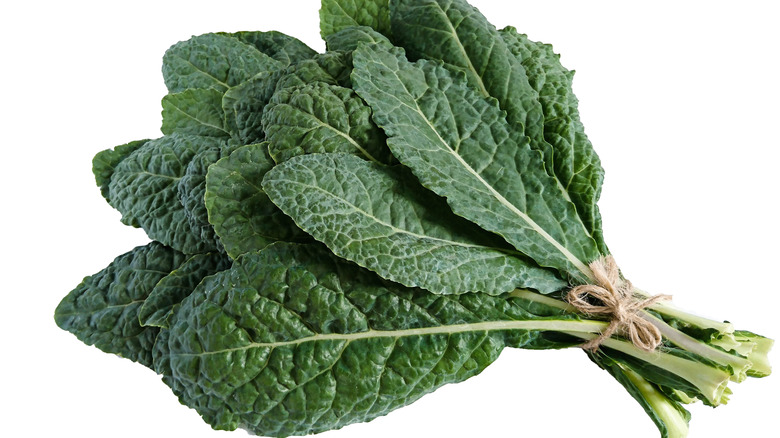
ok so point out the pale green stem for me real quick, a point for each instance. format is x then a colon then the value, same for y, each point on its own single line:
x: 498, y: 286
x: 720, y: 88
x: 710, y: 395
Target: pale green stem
x: 669, y: 309
x: 587, y: 327
x: 544, y: 299
x: 711, y: 382
x: 688, y: 343
x: 730, y: 343
x: 708, y: 379
x: 673, y: 419
x: 758, y: 354
x: 739, y: 365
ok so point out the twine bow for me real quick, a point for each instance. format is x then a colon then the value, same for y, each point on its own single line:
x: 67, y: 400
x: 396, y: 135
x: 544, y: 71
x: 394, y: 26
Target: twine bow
x: 619, y: 302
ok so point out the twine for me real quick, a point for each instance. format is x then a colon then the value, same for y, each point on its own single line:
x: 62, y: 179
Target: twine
x: 619, y: 303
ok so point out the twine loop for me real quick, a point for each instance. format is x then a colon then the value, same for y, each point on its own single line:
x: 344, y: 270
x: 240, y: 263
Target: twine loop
x: 618, y: 302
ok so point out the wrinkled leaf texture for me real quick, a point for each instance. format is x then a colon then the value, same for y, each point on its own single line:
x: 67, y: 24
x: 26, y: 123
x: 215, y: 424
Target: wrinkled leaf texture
x: 390, y: 225
x: 293, y: 341
x: 103, y: 310
x: 460, y: 146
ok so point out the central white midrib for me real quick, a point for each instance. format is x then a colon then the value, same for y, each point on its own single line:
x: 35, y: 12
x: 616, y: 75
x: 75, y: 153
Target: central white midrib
x: 573, y: 326
x: 202, y: 122
x: 396, y: 229
x: 350, y: 140
x: 203, y: 72
x: 462, y: 49
x: 574, y: 260
x: 566, y: 253
x: 484, y: 90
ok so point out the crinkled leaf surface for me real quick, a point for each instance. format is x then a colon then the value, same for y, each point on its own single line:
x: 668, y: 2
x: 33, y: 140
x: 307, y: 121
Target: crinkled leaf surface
x: 283, y: 48
x: 194, y: 111
x: 213, y: 61
x: 391, y: 225
x: 456, y: 33
x: 242, y: 215
x: 178, y: 285
x: 243, y: 106
x: 221, y: 82
x: 104, y: 163
x: 292, y: 341
x: 192, y: 191
x: 336, y: 15
x: 460, y: 146
x: 103, y: 309
x: 575, y: 162
x: 145, y: 189
x: 347, y: 39
x: 318, y: 118
x: 542, y: 107
x: 331, y: 68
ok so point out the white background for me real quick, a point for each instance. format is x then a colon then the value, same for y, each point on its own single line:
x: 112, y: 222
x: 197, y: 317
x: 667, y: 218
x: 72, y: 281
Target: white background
x: 679, y: 98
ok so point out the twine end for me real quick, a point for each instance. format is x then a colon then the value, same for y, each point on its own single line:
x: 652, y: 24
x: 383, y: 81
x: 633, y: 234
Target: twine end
x: 618, y: 303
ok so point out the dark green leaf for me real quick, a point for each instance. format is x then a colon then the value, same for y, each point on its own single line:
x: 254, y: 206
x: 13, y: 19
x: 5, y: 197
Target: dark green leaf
x: 283, y: 48
x: 192, y: 189
x: 527, y: 80
x: 575, y: 163
x: 331, y: 68
x: 243, y: 217
x: 213, y: 61
x: 336, y: 15
x: 103, y: 309
x: 318, y: 118
x: 292, y: 341
x: 460, y: 146
x: 178, y: 285
x: 243, y: 106
x: 348, y: 39
x: 391, y: 225
x: 195, y: 111
x: 105, y: 162
x: 145, y: 189
x: 456, y: 33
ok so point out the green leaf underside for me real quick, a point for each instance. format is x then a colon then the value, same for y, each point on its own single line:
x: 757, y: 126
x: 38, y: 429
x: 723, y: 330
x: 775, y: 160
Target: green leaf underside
x: 104, y: 163
x: 575, y: 163
x: 242, y: 215
x: 292, y: 341
x: 195, y: 111
x: 283, y: 48
x: 213, y: 61
x: 103, y: 309
x: 391, y: 225
x: 145, y: 189
x: 179, y: 284
x: 319, y: 118
x: 459, y: 145
x: 336, y: 15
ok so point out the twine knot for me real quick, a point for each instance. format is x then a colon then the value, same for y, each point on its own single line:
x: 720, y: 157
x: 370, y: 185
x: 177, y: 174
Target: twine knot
x: 619, y: 303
